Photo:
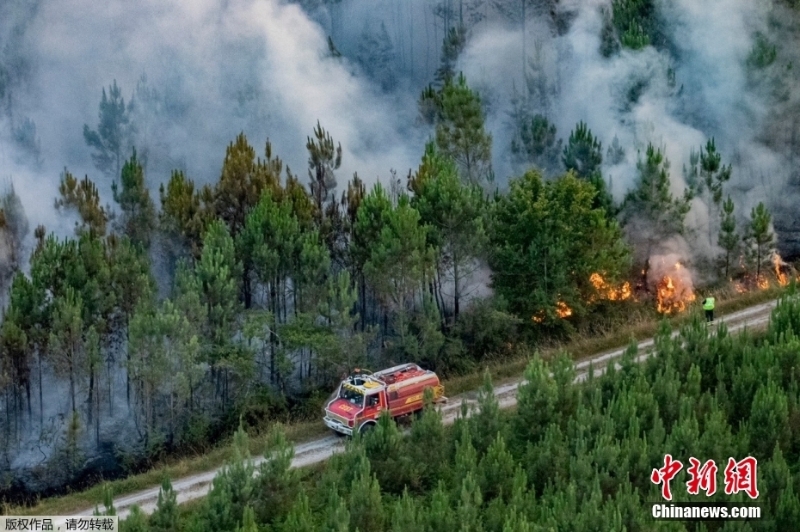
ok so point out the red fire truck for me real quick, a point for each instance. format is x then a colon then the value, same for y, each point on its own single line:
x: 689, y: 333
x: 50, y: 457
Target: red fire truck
x: 361, y: 397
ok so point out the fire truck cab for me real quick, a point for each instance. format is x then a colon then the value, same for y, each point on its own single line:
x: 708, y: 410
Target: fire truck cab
x: 361, y: 397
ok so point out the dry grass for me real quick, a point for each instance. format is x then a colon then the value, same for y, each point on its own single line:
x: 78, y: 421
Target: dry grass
x: 640, y: 325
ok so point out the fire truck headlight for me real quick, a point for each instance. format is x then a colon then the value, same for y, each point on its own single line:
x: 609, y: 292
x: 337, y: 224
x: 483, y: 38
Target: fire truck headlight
x: 350, y: 423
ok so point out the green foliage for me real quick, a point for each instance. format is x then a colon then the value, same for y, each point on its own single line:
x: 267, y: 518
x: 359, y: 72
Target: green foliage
x: 111, y: 141
x: 650, y: 208
x: 182, y: 213
x: 580, y: 454
x: 108, y: 503
x: 636, y: 23
x: 135, y: 522
x: 218, y: 273
x: 759, y: 238
x: 729, y: 239
x: 536, y: 141
x: 232, y: 490
x: 138, y: 213
x: 452, y: 45
x: 83, y: 197
x: 165, y: 516
x: 453, y: 214
x: 400, y: 255
x: 763, y: 53
x: 244, y: 179
x: 324, y: 158
x: 366, y: 504
x: 276, y: 486
x: 461, y: 133
x: 539, y: 259
x: 583, y: 155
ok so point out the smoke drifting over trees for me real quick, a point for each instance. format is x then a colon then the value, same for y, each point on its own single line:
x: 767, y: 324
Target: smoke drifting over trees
x: 595, y: 86
x: 196, y: 75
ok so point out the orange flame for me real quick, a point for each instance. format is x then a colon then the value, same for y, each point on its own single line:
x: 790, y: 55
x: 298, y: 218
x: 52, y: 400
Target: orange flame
x: 780, y: 269
x: 563, y: 310
x: 672, y: 295
x: 609, y: 292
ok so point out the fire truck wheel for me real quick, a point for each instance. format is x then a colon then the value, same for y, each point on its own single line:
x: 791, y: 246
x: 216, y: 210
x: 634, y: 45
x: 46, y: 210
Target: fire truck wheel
x: 366, y: 427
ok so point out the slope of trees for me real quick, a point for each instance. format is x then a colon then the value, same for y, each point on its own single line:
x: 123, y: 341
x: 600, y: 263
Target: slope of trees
x: 272, y: 290
x: 570, y: 457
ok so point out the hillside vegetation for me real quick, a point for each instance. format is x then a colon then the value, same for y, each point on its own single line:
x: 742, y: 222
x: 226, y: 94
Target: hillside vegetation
x: 162, y: 322
x: 569, y: 457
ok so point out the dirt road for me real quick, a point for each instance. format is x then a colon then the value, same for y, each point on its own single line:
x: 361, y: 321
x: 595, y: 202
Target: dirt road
x: 196, y: 486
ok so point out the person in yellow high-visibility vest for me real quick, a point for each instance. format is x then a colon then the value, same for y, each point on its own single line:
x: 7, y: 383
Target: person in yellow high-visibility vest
x: 708, y: 306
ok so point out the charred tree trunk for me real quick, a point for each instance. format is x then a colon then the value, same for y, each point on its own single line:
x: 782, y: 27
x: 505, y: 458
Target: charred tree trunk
x: 41, y: 393
x: 97, y: 421
x: 28, y: 395
x: 72, y: 384
x: 90, y: 399
x: 456, y: 289
x: 247, y: 290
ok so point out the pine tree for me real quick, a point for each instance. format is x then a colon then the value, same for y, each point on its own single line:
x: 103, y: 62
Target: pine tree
x: 455, y: 215
x: 469, y: 505
x: 583, y: 155
x: 366, y: 506
x: 452, y: 45
x: 536, y: 141
x: 249, y: 521
x: 300, y: 516
x: 232, y: 490
x: 426, y: 453
x: 406, y: 517
x: 337, y: 517
x: 182, y: 213
x: 707, y: 175
x: 760, y: 237
x: 112, y: 138
x: 650, y: 208
x: 728, y: 236
x: 135, y: 522
x: 138, y: 213
x: 461, y: 133
x: 218, y: 272
x: 83, y: 197
x: 440, y: 516
x: 165, y: 516
x: 486, y: 423
x: 496, y: 471
x: 277, y: 484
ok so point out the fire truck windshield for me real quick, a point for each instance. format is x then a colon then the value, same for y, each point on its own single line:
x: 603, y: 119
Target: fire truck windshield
x: 353, y: 396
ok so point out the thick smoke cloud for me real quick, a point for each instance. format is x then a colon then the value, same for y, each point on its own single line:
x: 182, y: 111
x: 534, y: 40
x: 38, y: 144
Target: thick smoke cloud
x: 217, y: 68
x: 696, y: 88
